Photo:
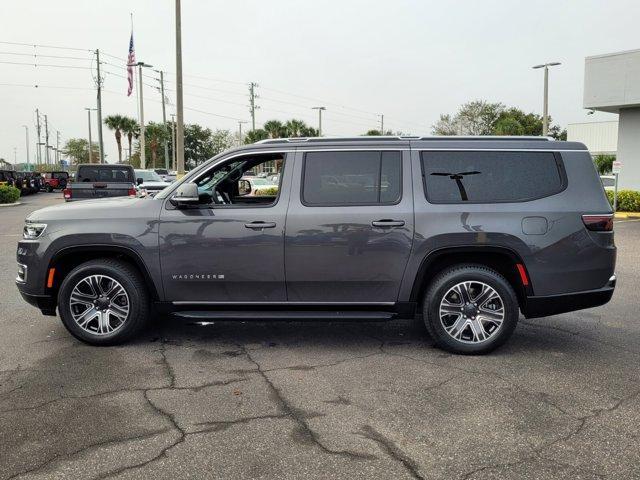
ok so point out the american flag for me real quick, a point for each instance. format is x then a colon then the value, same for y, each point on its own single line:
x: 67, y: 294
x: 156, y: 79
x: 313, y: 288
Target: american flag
x: 130, y: 61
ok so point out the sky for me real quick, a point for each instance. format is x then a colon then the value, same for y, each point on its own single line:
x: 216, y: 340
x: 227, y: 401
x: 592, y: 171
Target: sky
x: 410, y: 60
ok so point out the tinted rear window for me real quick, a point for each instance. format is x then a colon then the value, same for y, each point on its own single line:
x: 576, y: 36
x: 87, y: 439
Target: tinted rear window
x: 352, y: 178
x: 103, y: 173
x: 486, y: 177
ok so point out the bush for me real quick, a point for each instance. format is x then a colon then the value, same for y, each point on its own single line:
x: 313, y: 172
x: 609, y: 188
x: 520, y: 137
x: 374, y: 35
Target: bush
x: 9, y: 194
x: 269, y: 192
x: 628, y: 200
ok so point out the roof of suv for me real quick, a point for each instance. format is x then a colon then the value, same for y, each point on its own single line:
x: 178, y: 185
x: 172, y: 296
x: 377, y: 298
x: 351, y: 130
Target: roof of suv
x: 440, y: 142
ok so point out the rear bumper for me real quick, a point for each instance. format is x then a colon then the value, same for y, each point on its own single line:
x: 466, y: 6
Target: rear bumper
x: 537, y: 306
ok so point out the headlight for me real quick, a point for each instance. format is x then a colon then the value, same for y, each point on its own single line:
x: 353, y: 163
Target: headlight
x: 31, y: 231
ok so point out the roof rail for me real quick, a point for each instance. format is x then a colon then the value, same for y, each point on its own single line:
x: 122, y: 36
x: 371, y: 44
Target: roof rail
x: 373, y: 138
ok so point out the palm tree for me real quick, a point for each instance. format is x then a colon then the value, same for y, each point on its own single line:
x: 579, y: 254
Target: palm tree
x: 156, y: 133
x: 116, y: 122
x: 274, y: 129
x: 253, y: 136
x: 131, y: 129
x: 295, y: 128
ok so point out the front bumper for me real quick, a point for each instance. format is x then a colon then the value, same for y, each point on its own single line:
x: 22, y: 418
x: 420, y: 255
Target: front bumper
x: 46, y: 303
x: 544, y: 306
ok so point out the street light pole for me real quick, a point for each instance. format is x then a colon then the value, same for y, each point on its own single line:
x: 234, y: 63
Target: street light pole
x: 140, y: 66
x: 89, y: 110
x: 179, y: 99
x: 320, y: 109
x: 164, y: 119
x: 381, y: 123
x: 240, y: 131
x: 46, y: 138
x: 26, y: 132
x: 99, y: 102
x: 545, y: 106
x: 173, y: 142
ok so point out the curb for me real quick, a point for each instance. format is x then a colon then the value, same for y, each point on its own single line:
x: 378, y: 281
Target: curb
x: 629, y: 215
x: 10, y: 204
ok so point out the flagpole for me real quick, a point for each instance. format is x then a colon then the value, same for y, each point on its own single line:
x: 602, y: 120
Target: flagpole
x: 135, y: 79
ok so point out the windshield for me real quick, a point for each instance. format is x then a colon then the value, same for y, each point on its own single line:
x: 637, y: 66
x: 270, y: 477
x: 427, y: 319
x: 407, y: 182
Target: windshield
x: 148, y: 176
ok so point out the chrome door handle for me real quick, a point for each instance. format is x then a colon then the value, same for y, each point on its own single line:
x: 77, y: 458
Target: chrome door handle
x: 388, y: 223
x: 260, y: 225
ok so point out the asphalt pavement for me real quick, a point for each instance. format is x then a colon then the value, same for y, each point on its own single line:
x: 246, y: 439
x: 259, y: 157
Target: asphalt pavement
x: 320, y: 400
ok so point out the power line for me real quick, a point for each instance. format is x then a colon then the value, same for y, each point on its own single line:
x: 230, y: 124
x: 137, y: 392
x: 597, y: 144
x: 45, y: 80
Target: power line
x: 36, y: 45
x: 36, y: 55
x: 44, y: 86
x: 45, y: 65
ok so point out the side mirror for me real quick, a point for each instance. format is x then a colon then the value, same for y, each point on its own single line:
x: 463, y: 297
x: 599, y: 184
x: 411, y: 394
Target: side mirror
x: 186, y: 194
x: 139, y: 181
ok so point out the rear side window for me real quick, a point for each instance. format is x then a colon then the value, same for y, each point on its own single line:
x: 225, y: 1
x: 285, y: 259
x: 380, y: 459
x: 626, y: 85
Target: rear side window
x: 111, y: 174
x: 487, y: 177
x: 352, y: 178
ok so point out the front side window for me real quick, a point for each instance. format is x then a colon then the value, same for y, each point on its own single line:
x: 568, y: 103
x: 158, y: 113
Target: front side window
x: 490, y: 176
x: 352, y: 178
x: 234, y: 183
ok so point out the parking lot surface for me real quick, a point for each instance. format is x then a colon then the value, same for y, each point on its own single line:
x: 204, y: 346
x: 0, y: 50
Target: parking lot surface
x: 320, y: 400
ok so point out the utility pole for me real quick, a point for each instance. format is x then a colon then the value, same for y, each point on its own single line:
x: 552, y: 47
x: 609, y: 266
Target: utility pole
x: 38, y: 150
x: 26, y: 132
x: 252, y: 104
x: 381, y: 123
x: 57, y: 147
x: 179, y: 99
x: 46, y: 139
x: 164, y: 120
x: 320, y: 109
x: 89, y: 110
x: 173, y: 141
x: 545, y: 106
x: 99, y: 98
x: 240, y: 131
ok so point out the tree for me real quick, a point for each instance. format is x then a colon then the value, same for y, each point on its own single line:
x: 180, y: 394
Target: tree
x: 274, y: 129
x: 256, y: 135
x: 117, y: 123
x: 131, y: 129
x: 77, y: 149
x: 156, y: 134
x: 604, y: 163
x: 483, y: 118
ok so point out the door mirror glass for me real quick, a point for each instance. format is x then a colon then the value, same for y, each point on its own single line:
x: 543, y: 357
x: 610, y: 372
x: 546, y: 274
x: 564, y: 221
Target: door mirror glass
x: 186, y: 194
x: 244, y: 187
x: 139, y: 181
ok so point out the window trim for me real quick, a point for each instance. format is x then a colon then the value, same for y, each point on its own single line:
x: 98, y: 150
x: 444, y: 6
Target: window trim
x: 556, y: 155
x: 361, y: 204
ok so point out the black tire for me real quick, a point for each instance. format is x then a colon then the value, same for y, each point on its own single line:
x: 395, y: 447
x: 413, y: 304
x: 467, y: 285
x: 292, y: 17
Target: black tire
x: 467, y: 344
x: 49, y: 188
x: 136, y: 291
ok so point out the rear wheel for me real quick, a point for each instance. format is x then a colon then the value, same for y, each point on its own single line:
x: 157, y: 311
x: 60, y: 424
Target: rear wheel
x: 49, y: 188
x: 103, y: 302
x: 470, y: 309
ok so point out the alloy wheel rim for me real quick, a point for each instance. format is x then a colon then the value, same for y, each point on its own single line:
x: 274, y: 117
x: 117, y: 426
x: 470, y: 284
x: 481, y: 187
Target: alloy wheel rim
x: 99, y: 304
x: 472, y: 312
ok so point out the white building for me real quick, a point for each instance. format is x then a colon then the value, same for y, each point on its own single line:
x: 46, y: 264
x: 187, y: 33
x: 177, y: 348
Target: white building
x: 601, y: 138
x: 612, y: 84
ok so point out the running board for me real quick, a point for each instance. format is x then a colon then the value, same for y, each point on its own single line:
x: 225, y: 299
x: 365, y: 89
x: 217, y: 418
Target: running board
x: 284, y: 315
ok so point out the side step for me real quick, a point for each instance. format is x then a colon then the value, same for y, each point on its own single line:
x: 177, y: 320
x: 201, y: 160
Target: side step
x: 285, y: 315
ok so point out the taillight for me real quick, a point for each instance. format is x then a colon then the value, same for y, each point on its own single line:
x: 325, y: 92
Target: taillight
x: 67, y: 193
x: 598, y: 223
x: 133, y: 192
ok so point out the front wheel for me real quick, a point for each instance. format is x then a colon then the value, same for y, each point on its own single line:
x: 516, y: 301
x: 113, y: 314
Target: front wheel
x: 470, y: 309
x: 49, y: 188
x: 103, y: 302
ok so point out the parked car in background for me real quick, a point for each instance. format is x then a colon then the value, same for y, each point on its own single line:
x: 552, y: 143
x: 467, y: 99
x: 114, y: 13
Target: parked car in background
x: 7, y: 177
x: 55, y: 181
x: 148, y: 181
x: 93, y: 181
x: 608, y: 182
x: 166, y: 175
x: 463, y: 233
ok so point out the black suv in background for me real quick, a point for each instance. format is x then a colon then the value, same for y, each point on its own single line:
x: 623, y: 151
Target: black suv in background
x: 466, y: 233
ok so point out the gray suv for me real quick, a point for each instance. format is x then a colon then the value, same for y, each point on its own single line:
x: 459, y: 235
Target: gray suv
x: 466, y: 233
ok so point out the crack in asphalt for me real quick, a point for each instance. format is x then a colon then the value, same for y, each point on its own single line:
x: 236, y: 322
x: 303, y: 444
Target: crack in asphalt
x: 392, y: 450
x: 221, y: 425
x: 87, y: 448
x: 296, y: 415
